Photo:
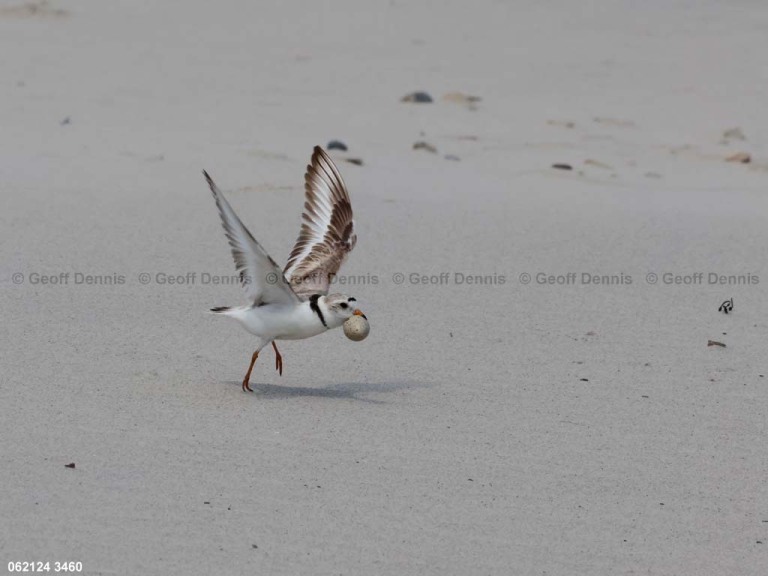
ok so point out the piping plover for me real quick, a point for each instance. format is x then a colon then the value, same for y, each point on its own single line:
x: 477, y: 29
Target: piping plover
x: 294, y: 303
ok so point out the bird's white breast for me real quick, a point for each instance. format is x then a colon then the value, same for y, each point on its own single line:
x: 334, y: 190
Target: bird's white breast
x: 281, y: 322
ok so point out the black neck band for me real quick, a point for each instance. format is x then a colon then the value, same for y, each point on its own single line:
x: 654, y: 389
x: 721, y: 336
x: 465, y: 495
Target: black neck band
x: 316, y: 308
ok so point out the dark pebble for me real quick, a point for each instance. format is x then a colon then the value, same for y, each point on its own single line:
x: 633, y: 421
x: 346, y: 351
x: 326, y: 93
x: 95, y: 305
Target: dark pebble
x: 417, y: 97
x: 70, y: 465
x: 562, y: 166
x: 583, y: 379
x: 421, y: 145
x: 355, y: 161
x: 336, y: 145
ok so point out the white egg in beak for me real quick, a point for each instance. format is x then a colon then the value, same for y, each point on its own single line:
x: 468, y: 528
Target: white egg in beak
x: 356, y: 327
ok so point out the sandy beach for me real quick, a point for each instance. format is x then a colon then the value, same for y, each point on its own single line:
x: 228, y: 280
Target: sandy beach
x: 537, y: 395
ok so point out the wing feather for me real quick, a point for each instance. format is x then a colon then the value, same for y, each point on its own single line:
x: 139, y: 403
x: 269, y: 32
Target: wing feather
x: 327, y: 232
x: 260, y: 276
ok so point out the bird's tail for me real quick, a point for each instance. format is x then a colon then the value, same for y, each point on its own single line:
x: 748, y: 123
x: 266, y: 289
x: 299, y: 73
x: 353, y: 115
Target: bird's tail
x: 221, y: 309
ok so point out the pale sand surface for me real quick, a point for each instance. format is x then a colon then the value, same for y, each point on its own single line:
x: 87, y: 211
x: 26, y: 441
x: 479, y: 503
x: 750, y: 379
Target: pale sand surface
x: 459, y: 438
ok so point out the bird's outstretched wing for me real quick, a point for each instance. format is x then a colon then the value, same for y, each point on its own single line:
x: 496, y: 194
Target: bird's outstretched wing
x: 260, y: 276
x: 327, y: 232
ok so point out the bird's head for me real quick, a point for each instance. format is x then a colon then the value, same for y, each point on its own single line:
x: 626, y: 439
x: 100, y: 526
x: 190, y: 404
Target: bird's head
x: 342, y: 307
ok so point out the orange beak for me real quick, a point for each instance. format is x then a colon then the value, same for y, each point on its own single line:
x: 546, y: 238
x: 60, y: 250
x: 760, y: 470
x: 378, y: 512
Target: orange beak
x: 359, y: 312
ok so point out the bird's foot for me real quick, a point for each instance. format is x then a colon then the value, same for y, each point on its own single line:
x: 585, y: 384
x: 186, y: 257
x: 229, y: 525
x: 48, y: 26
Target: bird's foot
x: 278, y: 359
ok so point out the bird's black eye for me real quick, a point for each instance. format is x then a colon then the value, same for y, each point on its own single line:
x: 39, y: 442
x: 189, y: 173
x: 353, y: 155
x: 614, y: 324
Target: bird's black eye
x: 344, y: 305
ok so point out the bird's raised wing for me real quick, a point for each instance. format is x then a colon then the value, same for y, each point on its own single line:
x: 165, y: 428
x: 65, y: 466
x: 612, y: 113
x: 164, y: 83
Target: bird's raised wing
x: 327, y: 233
x: 260, y: 276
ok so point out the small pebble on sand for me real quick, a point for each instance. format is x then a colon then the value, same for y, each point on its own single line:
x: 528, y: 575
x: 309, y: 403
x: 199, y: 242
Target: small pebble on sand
x: 739, y: 157
x: 421, y: 145
x: 460, y: 98
x: 417, y: 98
x: 597, y: 164
x: 562, y: 123
x: 734, y: 134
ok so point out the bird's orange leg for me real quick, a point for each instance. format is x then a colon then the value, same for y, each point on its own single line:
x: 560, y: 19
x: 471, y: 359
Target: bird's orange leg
x: 247, y: 378
x: 278, y: 359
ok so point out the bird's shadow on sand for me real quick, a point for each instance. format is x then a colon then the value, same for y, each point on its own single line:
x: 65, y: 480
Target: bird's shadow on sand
x: 344, y: 391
